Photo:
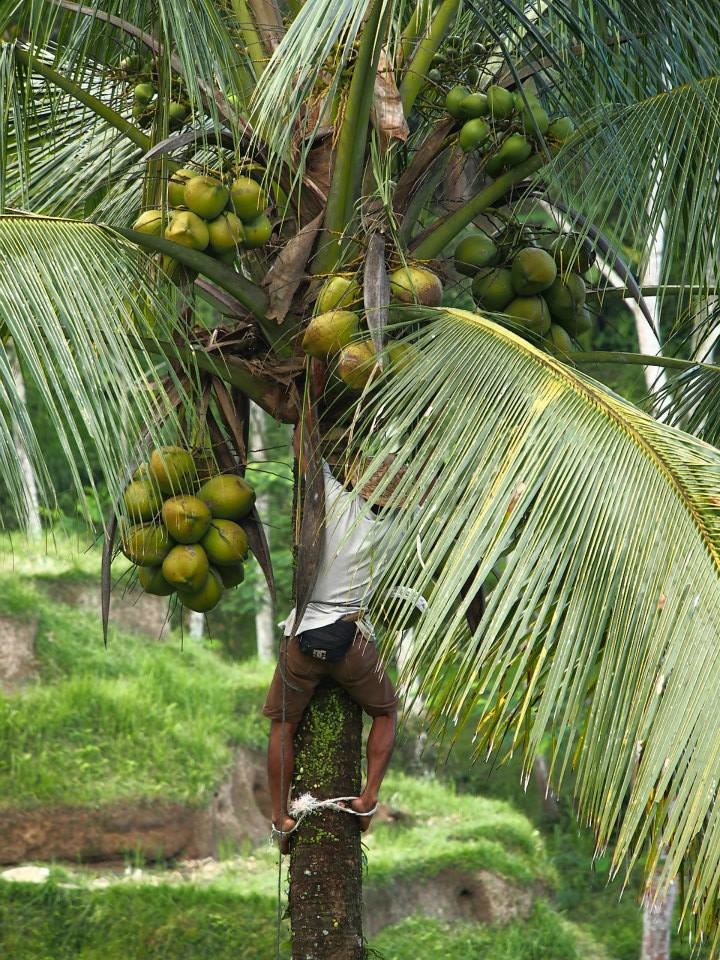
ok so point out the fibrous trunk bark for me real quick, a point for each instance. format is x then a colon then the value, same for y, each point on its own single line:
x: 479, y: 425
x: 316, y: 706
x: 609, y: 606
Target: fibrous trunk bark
x: 325, y: 857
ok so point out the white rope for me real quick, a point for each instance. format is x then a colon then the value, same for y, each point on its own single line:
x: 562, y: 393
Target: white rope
x: 306, y: 804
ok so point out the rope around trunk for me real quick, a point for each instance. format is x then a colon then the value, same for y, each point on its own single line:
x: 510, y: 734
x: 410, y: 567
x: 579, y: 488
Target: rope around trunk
x: 306, y: 804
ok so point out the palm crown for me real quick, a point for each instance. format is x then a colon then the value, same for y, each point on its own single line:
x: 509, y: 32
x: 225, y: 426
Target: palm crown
x: 592, y: 527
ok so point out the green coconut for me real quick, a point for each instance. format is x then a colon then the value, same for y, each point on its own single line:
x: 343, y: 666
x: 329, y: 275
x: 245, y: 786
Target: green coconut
x: 329, y: 332
x: 152, y: 581
x: 257, y: 231
x: 232, y: 575
x: 188, y: 229
x: 492, y: 288
x: 226, y: 233
x: 228, y: 496
x: 206, y: 196
x: 130, y: 64
x: 565, y: 297
x: 172, y: 468
x: 434, y: 75
x: 560, y: 339
x: 177, y: 112
x: 472, y: 134
x: 472, y: 74
x: 248, y: 198
x: 500, y: 102
x: 473, y: 106
x: 578, y: 324
x: 561, y: 129
x: 142, y: 500
x: 187, y: 518
x: 494, y: 166
x: 533, y: 270
x: 337, y: 293
x: 207, y: 597
x: 474, y: 252
x: 225, y: 543
x: 454, y: 99
x: 530, y: 312
x: 416, y: 285
x: 151, y: 221
x: 144, y: 92
x: 402, y: 356
x: 176, y: 186
x: 571, y: 253
x: 535, y: 120
x: 515, y: 150
x: 186, y: 567
x: 356, y: 363
x: 146, y: 544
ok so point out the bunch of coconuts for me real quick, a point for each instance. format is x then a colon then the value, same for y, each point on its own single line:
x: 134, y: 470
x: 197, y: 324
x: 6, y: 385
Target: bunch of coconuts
x: 506, y: 127
x: 140, y: 77
x: 537, y: 285
x: 184, y: 536
x: 332, y: 333
x: 210, y: 216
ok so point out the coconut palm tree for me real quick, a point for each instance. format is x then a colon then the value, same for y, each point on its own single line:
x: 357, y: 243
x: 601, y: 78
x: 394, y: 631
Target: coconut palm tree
x: 591, y: 527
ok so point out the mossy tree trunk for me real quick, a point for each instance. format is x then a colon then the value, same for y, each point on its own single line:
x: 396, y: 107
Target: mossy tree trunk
x: 325, y: 855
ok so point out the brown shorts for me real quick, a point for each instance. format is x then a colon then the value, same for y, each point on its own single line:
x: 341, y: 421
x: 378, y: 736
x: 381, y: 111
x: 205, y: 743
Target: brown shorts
x: 358, y: 672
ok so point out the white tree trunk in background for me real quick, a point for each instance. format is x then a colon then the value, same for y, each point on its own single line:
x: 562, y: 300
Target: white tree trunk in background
x: 32, y: 502
x: 648, y: 343
x: 264, y: 606
x: 657, y: 922
x: 196, y: 625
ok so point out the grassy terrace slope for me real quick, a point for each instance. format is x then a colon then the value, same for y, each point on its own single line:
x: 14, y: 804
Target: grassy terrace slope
x: 149, y: 719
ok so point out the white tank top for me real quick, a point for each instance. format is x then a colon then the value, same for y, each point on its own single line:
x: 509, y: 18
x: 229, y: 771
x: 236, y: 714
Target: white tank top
x: 350, y: 563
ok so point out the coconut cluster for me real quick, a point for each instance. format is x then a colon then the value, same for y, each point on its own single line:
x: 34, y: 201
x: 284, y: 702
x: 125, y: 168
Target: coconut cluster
x: 208, y: 215
x: 536, y: 281
x: 140, y: 77
x: 184, y: 535
x: 505, y: 127
x: 332, y: 334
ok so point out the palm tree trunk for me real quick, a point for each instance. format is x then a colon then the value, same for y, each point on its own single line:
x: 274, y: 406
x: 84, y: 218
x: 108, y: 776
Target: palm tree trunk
x: 264, y: 606
x: 325, y: 858
x: 657, y: 922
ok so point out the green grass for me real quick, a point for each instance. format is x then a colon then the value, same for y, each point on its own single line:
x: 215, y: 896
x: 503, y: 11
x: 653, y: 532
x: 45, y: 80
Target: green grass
x: 454, y: 829
x: 129, y: 922
x: 139, y: 719
x: 543, y: 936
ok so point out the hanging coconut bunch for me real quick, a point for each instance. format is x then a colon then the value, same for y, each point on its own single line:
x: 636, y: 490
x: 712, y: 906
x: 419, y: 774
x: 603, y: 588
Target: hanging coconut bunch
x: 535, y: 281
x: 338, y: 333
x: 209, y: 215
x: 140, y: 81
x: 184, y: 533
x: 505, y: 127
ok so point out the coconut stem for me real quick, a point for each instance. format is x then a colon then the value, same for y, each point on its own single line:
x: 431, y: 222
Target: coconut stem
x: 350, y: 151
x: 416, y: 74
x: 76, y: 91
x: 251, y: 38
x: 249, y: 295
x: 447, y: 229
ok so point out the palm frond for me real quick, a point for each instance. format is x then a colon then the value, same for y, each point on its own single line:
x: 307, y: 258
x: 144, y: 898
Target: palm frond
x: 82, y: 314
x: 603, y: 527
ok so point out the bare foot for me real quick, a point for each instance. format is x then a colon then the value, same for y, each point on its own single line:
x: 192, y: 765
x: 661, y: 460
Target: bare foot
x: 282, y: 829
x: 363, y: 805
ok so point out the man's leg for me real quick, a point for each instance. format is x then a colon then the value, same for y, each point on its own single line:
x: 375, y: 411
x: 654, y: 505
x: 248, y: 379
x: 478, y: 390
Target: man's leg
x: 281, y: 762
x: 369, y: 685
x: 381, y: 741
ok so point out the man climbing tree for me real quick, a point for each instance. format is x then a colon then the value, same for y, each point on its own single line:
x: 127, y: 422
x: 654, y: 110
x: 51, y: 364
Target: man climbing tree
x: 327, y: 636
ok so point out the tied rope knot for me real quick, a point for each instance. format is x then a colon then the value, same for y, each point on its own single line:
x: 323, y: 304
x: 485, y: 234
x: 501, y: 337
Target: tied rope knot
x: 306, y: 804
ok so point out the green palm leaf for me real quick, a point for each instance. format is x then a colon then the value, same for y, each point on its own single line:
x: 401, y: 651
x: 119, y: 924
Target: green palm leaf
x: 603, y: 628
x: 81, y: 311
